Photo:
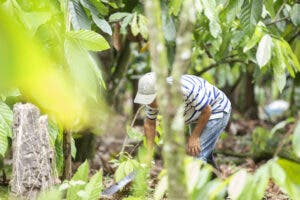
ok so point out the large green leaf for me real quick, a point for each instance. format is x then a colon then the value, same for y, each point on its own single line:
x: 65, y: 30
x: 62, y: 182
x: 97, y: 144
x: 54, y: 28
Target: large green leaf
x: 102, y: 24
x: 256, y: 184
x: 269, y: 5
x: 296, y: 140
x: 264, y: 50
x: 31, y: 20
x: 234, y: 8
x: 134, y: 25
x: 258, y: 34
x: 292, y: 170
x: 118, y: 16
x: 90, y: 39
x: 83, y: 68
x: 284, y: 179
x: 210, y: 12
x: 295, y: 14
x: 125, y: 168
x: 94, y: 187
x: 87, y: 4
x: 80, y: 175
x: 278, y: 65
x: 6, y: 117
x: 78, y: 16
x: 251, y: 14
x: 290, y: 54
x: 102, y: 9
x: 142, y: 22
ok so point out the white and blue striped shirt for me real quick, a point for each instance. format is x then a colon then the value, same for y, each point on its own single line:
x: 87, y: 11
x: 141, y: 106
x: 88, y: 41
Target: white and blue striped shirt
x: 198, y: 93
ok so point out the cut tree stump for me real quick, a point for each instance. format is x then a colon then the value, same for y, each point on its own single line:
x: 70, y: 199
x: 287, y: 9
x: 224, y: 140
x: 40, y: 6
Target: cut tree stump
x: 33, y: 157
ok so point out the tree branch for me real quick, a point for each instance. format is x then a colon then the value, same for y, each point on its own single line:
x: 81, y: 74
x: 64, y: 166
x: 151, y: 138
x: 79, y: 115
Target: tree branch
x: 277, y: 20
x: 217, y: 64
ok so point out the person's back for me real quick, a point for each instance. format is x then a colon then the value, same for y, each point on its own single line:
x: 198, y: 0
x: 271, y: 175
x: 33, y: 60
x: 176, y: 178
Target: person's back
x: 197, y: 94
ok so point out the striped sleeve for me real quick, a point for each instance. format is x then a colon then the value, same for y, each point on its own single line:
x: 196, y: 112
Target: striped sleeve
x: 151, y: 113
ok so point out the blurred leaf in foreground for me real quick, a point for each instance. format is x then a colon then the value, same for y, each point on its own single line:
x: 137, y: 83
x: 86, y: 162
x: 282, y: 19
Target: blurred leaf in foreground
x: 25, y: 64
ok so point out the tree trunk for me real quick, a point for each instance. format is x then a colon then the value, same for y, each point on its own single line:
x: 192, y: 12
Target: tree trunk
x: 251, y: 110
x: 169, y: 98
x: 67, y: 173
x: 33, y: 157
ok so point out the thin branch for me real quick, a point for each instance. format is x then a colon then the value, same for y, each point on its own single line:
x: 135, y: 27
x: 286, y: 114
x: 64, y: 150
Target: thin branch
x: 217, y: 64
x: 207, y: 51
x: 131, y: 125
x: 277, y: 20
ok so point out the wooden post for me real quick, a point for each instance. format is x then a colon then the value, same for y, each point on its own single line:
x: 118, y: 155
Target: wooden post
x: 33, y: 156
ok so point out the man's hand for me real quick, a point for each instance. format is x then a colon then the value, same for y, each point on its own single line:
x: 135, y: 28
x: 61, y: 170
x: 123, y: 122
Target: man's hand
x: 194, y: 145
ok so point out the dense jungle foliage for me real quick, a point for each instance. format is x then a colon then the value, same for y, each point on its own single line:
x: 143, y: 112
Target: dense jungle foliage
x: 79, y: 61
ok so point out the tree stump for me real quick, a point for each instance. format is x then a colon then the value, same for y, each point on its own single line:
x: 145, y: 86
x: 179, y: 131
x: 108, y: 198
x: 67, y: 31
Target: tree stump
x: 32, y: 154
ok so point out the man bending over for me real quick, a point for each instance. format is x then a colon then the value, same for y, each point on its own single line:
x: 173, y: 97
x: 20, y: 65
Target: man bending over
x: 207, y: 109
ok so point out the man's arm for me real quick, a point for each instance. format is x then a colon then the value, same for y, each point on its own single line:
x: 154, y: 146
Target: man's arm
x: 194, y: 141
x: 150, y: 129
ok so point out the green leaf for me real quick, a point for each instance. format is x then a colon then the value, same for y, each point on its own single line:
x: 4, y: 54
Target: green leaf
x: 78, y: 16
x: 142, y: 22
x: 102, y: 24
x: 31, y: 20
x: 83, y: 69
x: 210, y: 12
x: 289, y: 52
x: 134, y: 134
x: 94, y: 187
x: 80, y: 175
x: 90, y: 39
x: 120, y: 172
x: 102, y: 9
x: 296, y: 140
x: 292, y: 170
x: 259, y: 182
x: 283, y: 179
x: 53, y: 131
x: 295, y: 14
x: 237, y: 184
x: 270, y: 8
x: 118, y: 16
x: 87, y: 4
x: 282, y: 125
x: 6, y: 117
x: 168, y: 26
x: 234, y: 8
x: 174, y: 6
x: 124, y: 169
x: 278, y: 64
x: 251, y: 14
x: 134, y: 25
x: 125, y: 22
x: 258, y: 34
x: 264, y: 50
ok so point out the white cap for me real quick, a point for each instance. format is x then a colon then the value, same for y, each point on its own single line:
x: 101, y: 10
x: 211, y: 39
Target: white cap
x: 146, y: 89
